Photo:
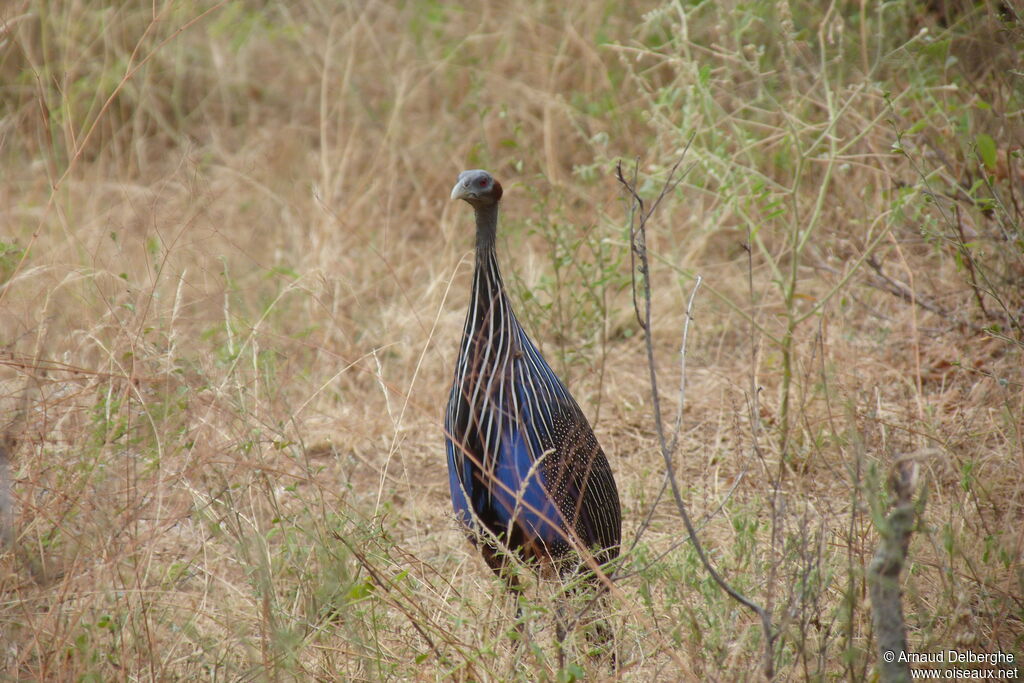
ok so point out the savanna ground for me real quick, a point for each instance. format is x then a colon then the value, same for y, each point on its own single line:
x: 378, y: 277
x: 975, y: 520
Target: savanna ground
x: 232, y: 285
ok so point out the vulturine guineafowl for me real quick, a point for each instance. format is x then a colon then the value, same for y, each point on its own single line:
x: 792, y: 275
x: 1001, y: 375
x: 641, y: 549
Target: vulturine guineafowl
x: 526, y: 472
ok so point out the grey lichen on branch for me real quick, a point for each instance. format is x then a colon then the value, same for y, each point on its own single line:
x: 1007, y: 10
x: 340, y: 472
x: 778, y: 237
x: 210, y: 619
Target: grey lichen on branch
x: 885, y: 569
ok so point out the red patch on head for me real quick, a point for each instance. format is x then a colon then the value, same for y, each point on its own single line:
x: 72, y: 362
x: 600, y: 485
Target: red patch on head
x: 497, y: 191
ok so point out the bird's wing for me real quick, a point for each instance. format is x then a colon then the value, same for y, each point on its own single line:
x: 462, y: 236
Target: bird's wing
x: 519, y: 492
x: 574, y: 469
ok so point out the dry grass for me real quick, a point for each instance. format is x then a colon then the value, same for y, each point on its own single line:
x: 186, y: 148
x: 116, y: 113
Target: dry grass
x: 232, y: 288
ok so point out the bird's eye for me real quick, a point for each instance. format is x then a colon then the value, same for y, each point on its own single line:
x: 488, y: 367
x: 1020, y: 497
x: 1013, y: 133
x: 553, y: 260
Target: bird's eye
x: 482, y: 182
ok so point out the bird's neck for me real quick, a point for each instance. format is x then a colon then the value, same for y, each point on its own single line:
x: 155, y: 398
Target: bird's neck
x: 488, y: 287
x: 486, y: 229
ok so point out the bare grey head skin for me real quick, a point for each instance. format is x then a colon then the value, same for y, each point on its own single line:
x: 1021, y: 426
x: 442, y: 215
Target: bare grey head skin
x: 478, y: 188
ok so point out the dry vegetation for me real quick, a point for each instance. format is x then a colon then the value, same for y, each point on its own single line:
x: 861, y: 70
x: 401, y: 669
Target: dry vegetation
x: 232, y: 284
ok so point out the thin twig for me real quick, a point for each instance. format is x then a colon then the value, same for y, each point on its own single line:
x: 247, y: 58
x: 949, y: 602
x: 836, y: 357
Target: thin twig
x: 902, y: 291
x: 622, y: 576
x: 679, y: 412
x: 682, y: 365
x: 387, y: 585
x: 639, y: 217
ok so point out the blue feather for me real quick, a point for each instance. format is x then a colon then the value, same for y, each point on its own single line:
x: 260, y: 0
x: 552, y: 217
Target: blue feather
x: 521, y: 494
x: 460, y: 484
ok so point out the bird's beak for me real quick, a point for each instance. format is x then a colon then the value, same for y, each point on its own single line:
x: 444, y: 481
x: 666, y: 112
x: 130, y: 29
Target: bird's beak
x: 462, y: 190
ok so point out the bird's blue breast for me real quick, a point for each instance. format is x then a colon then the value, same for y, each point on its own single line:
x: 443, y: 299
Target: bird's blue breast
x: 520, y: 492
x: 504, y: 486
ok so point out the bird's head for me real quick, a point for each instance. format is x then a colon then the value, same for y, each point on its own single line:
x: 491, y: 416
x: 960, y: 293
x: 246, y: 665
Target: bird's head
x: 479, y: 188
